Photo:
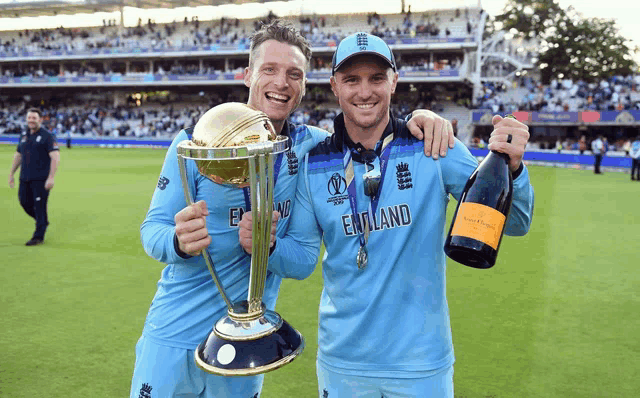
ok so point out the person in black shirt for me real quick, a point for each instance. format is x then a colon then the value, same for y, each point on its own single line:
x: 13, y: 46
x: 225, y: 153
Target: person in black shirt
x: 37, y: 156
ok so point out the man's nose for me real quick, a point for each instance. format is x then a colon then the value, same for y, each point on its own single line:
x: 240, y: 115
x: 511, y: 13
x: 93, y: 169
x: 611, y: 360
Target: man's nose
x: 364, y: 90
x: 281, y: 80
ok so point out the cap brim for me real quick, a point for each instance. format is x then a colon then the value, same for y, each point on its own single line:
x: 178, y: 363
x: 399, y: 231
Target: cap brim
x: 348, y: 57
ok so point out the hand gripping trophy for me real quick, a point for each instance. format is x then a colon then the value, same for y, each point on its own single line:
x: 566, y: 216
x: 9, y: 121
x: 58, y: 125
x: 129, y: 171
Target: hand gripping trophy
x: 235, y: 145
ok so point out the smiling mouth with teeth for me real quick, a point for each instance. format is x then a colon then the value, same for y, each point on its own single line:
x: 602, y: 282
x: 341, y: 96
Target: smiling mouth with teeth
x: 365, y: 106
x: 277, y: 97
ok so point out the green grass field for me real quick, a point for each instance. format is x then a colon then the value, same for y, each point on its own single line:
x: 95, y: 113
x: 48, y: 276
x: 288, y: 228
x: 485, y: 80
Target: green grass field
x: 556, y: 317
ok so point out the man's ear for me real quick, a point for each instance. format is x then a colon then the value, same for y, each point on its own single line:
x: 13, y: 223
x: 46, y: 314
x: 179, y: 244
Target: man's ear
x: 332, y: 81
x: 247, y: 76
x: 304, y: 87
x: 394, y: 82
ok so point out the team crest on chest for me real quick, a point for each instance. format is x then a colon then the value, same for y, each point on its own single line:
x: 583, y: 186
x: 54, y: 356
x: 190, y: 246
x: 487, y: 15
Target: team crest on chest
x: 404, y: 176
x: 292, y: 162
x: 337, y: 186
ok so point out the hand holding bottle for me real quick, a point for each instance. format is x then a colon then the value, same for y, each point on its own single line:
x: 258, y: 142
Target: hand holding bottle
x: 499, y: 141
x: 478, y: 223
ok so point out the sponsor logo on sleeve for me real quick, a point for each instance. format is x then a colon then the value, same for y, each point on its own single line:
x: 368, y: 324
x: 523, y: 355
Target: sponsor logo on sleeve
x: 145, y: 391
x: 162, y: 183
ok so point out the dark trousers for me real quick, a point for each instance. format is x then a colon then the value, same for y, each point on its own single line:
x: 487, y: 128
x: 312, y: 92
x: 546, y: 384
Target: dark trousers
x: 635, y: 169
x: 597, y: 165
x: 33, y: 199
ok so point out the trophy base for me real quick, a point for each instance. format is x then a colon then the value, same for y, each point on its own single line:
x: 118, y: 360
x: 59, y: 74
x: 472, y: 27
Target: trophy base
x: 246, y: 348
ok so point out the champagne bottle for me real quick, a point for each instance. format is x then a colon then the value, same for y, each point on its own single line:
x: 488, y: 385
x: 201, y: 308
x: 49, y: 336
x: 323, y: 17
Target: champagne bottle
x: 478, y: 224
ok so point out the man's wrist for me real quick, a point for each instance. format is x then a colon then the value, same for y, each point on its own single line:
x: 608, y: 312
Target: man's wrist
x: 517, y: 173
x: 273, y: 248
x: 176, y: 246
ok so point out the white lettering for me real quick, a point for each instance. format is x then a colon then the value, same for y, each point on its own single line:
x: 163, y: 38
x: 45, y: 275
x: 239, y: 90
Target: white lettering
x: 405, y: 214
x: 394, y: 216
x: 389, y: 217
x: 236, y: 213
x: 384, y: 222
x: 346, y: 225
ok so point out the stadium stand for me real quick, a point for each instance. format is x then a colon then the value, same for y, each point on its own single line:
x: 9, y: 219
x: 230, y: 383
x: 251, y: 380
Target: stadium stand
x: 431, y: 48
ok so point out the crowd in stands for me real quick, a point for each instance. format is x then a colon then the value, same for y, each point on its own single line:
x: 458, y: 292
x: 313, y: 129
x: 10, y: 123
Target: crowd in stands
x: 580, y: 145
x: 102, y: 121
x: 230, y: 32
x: 99, y: 120
x: 613, y: 94
x: 192, y: 32
x: 143, y: 36
x: 424, y: 63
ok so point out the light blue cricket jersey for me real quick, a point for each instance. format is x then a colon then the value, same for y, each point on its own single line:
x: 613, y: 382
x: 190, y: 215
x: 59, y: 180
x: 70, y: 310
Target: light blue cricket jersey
x: 390, y: 319
x: 187, y: 303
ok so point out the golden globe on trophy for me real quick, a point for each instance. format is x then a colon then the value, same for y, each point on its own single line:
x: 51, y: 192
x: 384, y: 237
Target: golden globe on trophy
x: 235, y: 145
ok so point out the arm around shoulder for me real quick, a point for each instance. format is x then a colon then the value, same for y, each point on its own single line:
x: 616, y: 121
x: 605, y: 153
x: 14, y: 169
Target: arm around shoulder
x: 296, y: 254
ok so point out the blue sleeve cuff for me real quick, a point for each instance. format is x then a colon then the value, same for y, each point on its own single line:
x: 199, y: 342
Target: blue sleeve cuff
x: 517, y: 173
x: 176, y: 246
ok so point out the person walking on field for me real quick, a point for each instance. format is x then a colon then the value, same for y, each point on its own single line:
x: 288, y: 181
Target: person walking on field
x: 37, y: 156
x: 598, y: 149
x: 635, y: 159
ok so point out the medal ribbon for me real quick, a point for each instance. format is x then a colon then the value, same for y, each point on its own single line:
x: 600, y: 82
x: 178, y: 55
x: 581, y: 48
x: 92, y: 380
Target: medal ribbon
x: 351, y: 189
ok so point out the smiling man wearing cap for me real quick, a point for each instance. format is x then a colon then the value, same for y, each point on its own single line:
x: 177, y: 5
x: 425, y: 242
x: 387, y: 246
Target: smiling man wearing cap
x: 380, y: 206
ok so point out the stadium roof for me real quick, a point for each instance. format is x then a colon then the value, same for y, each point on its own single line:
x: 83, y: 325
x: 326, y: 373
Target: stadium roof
x: 32, y: 8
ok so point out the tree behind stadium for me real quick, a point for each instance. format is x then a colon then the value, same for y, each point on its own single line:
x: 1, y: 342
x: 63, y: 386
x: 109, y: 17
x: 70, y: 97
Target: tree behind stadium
x: 571, y: 46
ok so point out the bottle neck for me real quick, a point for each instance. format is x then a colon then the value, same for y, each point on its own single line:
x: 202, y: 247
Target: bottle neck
x: 501, y: 155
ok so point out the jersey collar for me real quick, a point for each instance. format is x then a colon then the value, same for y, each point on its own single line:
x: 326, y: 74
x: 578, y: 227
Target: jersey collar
x: 38, y: 131
x: 343, y: 139
x: 286, y: 129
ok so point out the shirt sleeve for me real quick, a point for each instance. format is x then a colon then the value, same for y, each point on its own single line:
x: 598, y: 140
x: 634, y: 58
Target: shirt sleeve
x: 317, y: 135
x: 52, y: 144
x: 296, y: 254
x: 158, y: 228
x: 458, y: 166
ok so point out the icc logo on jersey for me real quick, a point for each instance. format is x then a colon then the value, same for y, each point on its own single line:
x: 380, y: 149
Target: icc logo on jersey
x: 337, y: 184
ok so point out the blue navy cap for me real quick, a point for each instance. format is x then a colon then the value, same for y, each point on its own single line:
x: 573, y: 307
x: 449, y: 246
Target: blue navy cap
x: 361, y: 43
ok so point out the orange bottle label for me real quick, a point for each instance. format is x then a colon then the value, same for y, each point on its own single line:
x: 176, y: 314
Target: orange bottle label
x: 479, y: 222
